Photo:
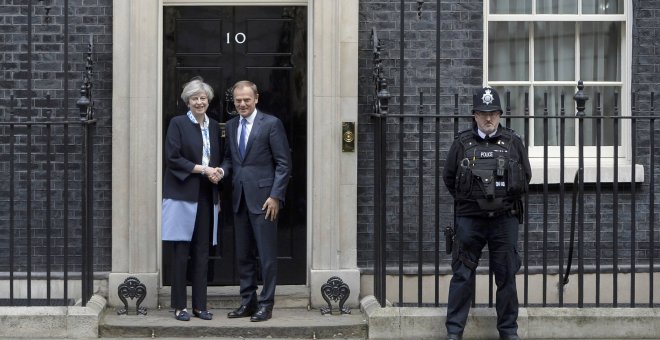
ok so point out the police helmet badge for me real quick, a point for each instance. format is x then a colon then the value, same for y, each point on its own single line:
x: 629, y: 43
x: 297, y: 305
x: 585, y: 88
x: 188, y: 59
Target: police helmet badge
x: 487, y: 97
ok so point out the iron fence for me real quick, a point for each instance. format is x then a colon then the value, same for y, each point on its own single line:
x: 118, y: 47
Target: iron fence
x: 46, y: 169
x: 46, y: 209
x: 599, y: 234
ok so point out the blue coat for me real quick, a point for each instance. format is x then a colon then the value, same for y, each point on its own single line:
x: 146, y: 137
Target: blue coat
x: 183, y: 149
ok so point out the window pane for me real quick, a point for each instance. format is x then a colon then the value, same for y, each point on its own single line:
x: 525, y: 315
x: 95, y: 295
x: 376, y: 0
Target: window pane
x: 602, y: 6
x: 554, y: 51
x: 513, y: 104
x: 508, y: 51
x: 607, y: 96
x: 556, y: 6
x: 510, y: 7
x: 600, y: 51
x: 554, y: 109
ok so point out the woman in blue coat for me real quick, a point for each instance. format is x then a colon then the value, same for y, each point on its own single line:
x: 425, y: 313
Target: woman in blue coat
x: 190, y: 197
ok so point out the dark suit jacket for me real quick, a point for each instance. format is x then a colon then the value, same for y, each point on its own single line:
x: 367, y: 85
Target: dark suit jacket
x: 183, y: 149
x: 266, y: 168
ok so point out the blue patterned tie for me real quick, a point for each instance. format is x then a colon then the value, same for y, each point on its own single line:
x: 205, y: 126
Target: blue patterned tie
x: 241, y: 141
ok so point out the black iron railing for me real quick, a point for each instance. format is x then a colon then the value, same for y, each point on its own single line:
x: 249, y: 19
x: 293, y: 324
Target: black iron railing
x: 605, y: 228
x: 46, y: 211
x: 46, y: 166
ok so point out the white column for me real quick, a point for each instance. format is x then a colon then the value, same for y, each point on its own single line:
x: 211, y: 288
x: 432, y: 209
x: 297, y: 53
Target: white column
x: 333, y: 173
x: 135, y: 147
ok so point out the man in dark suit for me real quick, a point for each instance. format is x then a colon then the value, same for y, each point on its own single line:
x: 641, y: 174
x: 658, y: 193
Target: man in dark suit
x: 258, y: 159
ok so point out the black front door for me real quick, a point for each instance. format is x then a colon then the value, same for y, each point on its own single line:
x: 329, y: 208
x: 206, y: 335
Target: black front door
x: 266, y: 45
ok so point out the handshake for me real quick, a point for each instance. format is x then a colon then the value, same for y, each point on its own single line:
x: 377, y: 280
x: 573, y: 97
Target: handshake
x: 213, y: 174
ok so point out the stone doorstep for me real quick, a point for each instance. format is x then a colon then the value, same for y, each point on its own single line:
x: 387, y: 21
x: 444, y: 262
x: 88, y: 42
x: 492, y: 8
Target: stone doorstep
x: 287, y: 296
x: 292, y: 318
x: 298, y: 323
x: 534, y: 323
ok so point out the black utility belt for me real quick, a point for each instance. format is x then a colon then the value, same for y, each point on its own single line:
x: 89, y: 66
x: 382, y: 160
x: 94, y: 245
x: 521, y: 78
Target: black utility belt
x: 492, y: 204
x: 491, y: 214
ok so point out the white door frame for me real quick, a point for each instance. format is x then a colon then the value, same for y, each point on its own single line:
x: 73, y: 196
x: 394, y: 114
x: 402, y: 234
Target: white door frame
x: 137, y: 136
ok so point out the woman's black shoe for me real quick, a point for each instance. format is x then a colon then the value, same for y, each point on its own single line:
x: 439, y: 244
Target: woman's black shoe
x: 204, y: 315
x: 181, y: 315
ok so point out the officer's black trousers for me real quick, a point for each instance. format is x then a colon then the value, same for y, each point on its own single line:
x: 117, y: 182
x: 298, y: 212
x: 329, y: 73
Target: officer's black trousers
x: 501, y: 235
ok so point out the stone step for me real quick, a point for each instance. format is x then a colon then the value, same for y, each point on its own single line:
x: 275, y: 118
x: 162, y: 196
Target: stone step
x: 228, y: 297
x: 287, y: 323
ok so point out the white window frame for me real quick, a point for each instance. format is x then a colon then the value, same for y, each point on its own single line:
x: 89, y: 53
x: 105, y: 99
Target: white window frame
x: 571, y: 152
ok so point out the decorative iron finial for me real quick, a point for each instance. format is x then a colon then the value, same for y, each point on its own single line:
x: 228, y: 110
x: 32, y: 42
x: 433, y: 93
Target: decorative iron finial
x: 420, y: 3
x: 48, y: 111
x: 11, y: 105
x: 47, y: 9
x: 383, y: 96
x: 380, y: 83
x: 85, y: 103
x: 580, y: 99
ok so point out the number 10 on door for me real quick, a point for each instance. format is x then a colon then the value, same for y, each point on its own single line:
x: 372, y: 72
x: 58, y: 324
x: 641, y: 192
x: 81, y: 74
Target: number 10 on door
x: 239, y: 38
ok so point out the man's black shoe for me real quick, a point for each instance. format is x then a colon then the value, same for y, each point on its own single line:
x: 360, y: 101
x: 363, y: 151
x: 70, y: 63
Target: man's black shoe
x: 264, y: 313
x: 242, y: 312
x: 454, y: 336
x: 510, y: 337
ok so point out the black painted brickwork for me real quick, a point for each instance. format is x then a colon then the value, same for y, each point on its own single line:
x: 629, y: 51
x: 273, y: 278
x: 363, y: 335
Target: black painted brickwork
x: 461, y: 70
x: 46, y: 70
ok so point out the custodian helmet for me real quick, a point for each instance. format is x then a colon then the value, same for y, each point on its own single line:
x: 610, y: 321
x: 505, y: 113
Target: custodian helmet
x: 486, y: 99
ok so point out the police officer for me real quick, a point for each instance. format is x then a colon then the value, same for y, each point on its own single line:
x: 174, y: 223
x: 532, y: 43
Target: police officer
x: 487, y: 172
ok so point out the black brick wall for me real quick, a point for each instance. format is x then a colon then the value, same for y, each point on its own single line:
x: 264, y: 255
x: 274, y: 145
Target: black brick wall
x: 461, y: 70
x: 46, y: 40
x: 646, y: 80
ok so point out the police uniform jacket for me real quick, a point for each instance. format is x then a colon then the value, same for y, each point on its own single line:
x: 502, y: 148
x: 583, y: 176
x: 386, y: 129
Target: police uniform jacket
x: 509, y: 143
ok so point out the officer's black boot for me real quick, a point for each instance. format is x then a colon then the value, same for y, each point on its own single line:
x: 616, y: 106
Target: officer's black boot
x: 510, y: 337
x: 454, y: 337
